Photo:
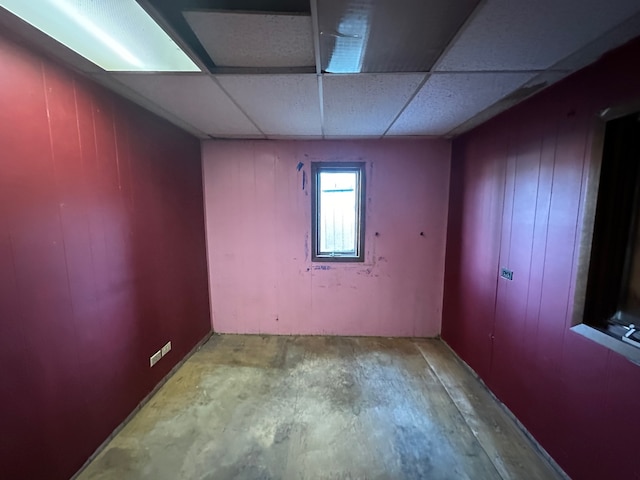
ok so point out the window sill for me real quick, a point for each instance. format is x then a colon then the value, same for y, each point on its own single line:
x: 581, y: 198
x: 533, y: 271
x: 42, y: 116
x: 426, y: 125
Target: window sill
x: 337, y: 259
x: 628, y: 351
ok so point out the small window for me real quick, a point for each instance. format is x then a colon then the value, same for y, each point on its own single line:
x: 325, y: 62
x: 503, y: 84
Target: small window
x: 337, y: 202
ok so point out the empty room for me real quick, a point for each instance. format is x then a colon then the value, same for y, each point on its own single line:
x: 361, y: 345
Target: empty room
x: 319, y: 239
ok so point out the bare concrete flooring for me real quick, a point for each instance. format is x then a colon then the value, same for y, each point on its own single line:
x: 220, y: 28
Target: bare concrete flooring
x: 252, y: 407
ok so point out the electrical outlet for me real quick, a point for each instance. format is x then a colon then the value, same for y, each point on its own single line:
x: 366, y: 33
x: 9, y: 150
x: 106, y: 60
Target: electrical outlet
x: 166, y: 349
x: 506, y: 273
x: 155, y: 358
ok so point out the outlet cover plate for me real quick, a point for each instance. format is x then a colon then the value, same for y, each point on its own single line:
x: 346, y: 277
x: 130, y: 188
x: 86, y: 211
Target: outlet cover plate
x: 155, y: 358
x: 506, y: 273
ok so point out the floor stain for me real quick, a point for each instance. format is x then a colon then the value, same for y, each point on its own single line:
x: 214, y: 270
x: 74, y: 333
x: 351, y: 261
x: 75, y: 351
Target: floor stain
x: 259, y: 407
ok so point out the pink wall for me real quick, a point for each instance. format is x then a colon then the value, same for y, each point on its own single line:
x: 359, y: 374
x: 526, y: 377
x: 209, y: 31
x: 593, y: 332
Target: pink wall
x: 258, y: 224
x: 102, y: 260
x: 516, y: 197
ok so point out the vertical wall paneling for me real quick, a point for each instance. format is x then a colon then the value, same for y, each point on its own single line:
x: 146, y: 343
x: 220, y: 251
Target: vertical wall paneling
x: 258, y: 226
x: 567, y: 390
x: 102, y: 260
x: 473, y: 260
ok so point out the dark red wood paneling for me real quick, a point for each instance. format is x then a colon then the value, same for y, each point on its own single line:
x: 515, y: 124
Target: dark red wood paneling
x: 102, y: 261
x: 472, y: 260
x: 511, y: 304
x: 571, y: 393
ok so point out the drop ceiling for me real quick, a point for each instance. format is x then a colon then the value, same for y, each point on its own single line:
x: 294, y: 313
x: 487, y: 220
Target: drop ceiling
x: 357, y: 68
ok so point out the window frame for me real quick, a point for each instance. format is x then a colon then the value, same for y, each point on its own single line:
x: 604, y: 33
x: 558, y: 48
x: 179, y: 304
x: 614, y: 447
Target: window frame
x: 586, y: 320
x: 316, y: 169
x: 615, y: 224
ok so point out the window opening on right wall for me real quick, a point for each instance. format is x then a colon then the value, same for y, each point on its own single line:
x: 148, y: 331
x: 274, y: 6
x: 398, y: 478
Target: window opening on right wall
x: 612, y: 296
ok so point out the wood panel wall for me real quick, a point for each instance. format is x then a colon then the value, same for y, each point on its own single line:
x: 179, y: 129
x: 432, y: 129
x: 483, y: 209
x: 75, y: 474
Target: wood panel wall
x: 517, y: 199
x: 258, y: 208
x: 102, y: 261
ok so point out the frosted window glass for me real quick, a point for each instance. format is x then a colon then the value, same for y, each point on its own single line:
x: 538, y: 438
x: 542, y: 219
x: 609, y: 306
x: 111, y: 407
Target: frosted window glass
x: 338, y: 212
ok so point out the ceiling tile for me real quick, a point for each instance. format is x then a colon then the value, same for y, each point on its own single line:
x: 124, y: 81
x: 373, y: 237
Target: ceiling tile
x: 447, y: 100
x: 614, y: 38
x: 295, y: 137
x: 254, y: 39
x: 197, y: 99
x: 399, y: 36
x: 531, y: 87
x: 352, y: 137
x: 526, y: 35
x: 278, y: 104
x: 365, y: 105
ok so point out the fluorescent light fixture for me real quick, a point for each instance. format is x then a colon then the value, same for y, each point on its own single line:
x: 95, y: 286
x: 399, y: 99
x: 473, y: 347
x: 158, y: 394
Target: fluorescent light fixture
x: 116, y: 35
x: 350, y: 43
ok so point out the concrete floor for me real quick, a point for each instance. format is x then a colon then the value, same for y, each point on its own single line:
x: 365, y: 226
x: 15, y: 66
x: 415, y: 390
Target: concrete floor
x: 251, y: 407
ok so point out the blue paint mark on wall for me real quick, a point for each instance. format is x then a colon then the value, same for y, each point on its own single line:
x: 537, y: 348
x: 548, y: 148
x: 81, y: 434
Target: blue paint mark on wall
x: 306, y: 247
x: 300, y: 165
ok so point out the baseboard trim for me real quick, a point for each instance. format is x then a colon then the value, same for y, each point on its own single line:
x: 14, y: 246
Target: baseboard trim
x: 142, y: 403
x: 511, y: 415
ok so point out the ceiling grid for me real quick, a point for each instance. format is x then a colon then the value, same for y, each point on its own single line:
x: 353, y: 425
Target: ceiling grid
x: 313, y: 4
x: 329, y: 68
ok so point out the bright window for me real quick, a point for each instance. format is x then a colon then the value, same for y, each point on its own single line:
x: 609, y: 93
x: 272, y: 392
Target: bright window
x: 338, y: 212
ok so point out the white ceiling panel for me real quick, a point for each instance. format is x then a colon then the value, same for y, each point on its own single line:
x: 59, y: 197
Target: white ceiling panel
x: 278, y: 103
x: 295, y: 137
x: 610, y: 40
x: 447, y: 100
x: 352, y: 137
x: 260, y: 87
x: 197, y: 99
x: 531, y: 87
x: 365, y: 105
x: 531, y: 35
x: 254, y: 39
